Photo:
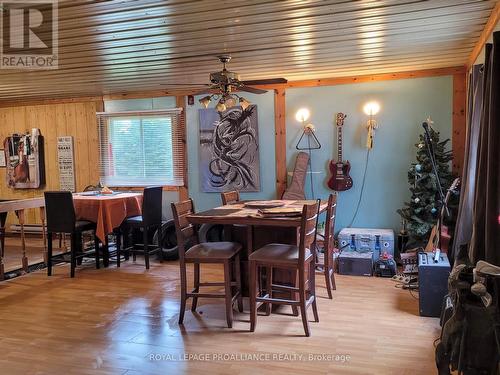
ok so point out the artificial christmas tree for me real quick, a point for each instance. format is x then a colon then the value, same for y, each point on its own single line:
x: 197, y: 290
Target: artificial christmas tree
x: 421, y: 212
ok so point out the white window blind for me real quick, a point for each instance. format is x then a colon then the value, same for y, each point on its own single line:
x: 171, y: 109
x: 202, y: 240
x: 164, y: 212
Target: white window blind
x: 141, y: 148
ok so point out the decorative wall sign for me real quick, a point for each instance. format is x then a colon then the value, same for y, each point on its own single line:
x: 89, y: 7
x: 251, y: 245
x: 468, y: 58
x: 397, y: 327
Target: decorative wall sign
x: 2, y: 159
x: 229, y: 150
x: 24, y: 159
x: 65, y: 158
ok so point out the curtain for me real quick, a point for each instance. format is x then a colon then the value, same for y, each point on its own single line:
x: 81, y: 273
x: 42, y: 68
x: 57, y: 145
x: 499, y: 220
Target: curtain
x: 463, y: 228
x: 485, y: 240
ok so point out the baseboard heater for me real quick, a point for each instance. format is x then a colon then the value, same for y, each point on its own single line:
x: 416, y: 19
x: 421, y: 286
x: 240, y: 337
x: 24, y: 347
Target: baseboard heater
x: 28, y: 228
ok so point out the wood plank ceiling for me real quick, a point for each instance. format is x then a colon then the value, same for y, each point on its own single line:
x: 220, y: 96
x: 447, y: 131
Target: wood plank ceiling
x: 135, y: 45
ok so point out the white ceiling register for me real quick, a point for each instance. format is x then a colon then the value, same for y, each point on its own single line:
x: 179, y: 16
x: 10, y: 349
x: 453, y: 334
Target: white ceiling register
x: 66, y: 163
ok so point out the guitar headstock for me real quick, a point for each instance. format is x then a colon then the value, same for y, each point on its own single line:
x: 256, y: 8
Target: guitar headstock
x: 340, y: 119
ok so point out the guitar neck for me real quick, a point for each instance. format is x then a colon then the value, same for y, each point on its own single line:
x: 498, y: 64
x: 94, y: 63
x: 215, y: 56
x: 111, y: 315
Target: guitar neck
x: 339, y: 144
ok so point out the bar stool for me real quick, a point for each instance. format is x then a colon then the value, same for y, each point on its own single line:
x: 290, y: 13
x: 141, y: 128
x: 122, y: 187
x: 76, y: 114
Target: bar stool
x: 326, y: 267
x: 300, y: 259
x: 150, y: 219
x: 226, y: 253
x: 61, y: 218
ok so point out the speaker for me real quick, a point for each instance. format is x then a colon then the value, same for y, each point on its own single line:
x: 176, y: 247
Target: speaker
x: 432, y: 283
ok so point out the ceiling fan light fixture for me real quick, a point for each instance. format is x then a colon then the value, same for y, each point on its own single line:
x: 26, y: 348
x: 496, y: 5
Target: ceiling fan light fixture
x: 205, y: 101
x: 244, y: 103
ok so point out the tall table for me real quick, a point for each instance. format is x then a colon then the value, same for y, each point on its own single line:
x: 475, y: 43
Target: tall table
x: 107, y: 210
x: 245, y: 226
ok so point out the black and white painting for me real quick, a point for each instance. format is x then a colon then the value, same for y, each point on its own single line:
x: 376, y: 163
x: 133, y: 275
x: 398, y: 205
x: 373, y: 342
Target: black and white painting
x: 229, y: 150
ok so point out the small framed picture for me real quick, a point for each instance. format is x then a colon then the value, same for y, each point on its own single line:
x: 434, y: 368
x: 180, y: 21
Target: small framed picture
x: 2, y: 159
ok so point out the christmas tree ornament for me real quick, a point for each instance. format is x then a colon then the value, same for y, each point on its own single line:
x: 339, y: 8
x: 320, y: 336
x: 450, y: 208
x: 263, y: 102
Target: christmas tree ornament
x: 433, y: 210
x: 421, y: 145
x: 418, y: 167
x: 416, y: 200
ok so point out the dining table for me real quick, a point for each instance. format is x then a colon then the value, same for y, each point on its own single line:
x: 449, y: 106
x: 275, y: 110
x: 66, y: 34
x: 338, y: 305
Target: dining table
x: 253, y: 230
x: 108, y: 212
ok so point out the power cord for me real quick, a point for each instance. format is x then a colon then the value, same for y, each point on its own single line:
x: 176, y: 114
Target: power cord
x: 362, y: 190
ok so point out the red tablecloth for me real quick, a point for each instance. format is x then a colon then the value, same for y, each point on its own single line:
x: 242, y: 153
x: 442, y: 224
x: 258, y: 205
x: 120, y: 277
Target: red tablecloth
x: 107, y: 211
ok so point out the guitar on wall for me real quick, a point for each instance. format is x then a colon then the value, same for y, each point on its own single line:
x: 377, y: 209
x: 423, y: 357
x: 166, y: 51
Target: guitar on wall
x: 340, y: 179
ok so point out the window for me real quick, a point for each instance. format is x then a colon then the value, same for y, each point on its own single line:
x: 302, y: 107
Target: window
x: 141, y: 148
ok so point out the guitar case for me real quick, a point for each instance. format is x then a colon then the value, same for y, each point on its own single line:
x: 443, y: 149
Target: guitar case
x: 295, y: 190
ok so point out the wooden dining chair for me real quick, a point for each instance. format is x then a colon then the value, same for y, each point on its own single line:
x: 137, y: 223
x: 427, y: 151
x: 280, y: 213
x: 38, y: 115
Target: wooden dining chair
x: 230, y: 197
x: 326, y: 267
x: 299, y: 259
x: 226, y: 253
x: 61, y: 218
x: 149, y: 220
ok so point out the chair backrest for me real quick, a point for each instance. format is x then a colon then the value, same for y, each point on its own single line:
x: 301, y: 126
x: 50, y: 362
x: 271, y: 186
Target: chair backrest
x: 330, y: 222
x: 230, y: 197
x: 151, y: 205
x: 60, y: 211
x: 308, y: 229
x: 186, y: 232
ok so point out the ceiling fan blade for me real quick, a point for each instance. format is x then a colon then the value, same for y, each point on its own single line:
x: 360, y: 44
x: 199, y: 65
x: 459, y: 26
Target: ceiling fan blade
x: 253, y: 90
x: 270, y: 81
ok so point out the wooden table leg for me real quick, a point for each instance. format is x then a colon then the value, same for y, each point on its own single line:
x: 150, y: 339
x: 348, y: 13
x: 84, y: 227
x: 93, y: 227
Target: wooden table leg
x: 20, y: 216
x: 3, y: 218
x: 44, y: 235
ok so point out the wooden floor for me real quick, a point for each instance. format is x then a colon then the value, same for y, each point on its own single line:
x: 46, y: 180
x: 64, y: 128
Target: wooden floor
x: 124, y: 321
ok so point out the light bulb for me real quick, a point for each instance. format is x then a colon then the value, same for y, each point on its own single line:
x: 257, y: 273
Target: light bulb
x: 230, y: 102
x: 205, y: 101
x: 302, y: 115
x: 371, y: 108
x: 244, y: 103
x: 220, y: 107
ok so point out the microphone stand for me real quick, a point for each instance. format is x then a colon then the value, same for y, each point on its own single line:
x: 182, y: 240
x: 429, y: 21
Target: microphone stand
x: 432, y: 157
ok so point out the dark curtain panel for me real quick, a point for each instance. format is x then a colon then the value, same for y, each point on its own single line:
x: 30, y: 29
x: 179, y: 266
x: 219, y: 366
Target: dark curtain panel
x: 463, y: 229
x: 485, y: 241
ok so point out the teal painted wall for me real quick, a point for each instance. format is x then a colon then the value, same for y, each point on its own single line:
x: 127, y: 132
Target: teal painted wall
x: 405, y: 104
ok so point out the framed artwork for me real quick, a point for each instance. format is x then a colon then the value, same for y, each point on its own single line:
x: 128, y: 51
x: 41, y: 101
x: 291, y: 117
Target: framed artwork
x: 2, y: 159
x: 229, y: 150
x: 24, y: 159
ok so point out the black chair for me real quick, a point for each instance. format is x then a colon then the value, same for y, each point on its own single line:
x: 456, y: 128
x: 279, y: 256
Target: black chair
x: 61, y: 218
x: 149, y: 220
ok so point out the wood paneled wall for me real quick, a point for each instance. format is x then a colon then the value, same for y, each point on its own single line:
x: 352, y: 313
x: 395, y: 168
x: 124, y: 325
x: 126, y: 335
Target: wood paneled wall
x: 54, y: 120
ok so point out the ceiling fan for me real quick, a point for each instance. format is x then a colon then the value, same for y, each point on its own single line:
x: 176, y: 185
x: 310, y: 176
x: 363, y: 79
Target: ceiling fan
x: 224, y: 83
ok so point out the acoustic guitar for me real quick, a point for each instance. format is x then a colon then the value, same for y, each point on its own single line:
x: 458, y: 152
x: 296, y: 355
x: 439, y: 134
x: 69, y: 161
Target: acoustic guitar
x: 340, y: 179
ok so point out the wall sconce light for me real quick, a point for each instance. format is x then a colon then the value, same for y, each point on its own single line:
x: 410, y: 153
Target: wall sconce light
x: 302, y: 115
x: 371, y: 109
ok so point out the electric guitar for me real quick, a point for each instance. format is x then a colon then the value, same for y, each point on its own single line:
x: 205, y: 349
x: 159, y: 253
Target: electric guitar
x: 340, y: 179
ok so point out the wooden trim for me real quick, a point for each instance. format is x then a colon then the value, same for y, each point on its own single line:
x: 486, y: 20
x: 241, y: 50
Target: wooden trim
x: 377, y: 77
x: 488, y: 29
x: 148, y: 94
x: 459, y: 121
x: 30, y: 102
x: 280, y: 141
x: 180, y: 102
